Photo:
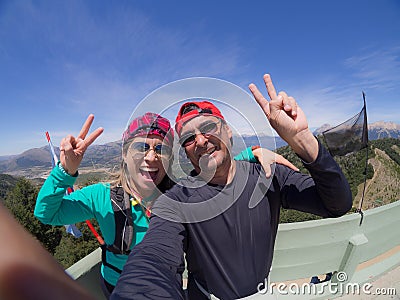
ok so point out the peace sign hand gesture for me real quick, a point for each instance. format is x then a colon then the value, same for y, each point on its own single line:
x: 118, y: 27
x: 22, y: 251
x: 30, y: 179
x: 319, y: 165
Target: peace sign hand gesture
x: 288, y: 119
x: 72, y: 149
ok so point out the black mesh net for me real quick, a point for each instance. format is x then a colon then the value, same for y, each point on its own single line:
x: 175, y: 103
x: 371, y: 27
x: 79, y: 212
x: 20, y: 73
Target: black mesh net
x: 349, y: 136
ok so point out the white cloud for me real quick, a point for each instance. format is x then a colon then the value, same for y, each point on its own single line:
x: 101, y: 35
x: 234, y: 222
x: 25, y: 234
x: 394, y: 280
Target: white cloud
x: 333, y: 99
x: 377, y: 69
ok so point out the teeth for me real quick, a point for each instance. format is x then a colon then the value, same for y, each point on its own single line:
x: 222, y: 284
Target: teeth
x: 148, y: 169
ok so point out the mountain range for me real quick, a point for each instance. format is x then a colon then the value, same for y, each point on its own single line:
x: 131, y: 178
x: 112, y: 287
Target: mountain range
x: 377, y: 130
x: 38, y: 160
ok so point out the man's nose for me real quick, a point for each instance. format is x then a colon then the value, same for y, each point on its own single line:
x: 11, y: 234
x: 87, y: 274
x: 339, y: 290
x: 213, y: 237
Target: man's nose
x: 201, y: 140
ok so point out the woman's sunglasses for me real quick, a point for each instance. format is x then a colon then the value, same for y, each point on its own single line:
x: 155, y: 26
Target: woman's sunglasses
x: 141, y: 149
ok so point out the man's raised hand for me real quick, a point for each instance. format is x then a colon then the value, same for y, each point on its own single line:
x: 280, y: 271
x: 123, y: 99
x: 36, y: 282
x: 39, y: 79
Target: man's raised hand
x: 73, y: 148
x: 288, y: 119
x: 282, y: 111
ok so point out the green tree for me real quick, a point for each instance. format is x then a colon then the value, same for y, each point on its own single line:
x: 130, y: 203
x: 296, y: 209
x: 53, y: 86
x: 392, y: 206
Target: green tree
x: 291, y: 216
x: 72, y: 249
x: 389, y: 145
x: 7, y: 182
x: 353, y: 167
x: 21, y: 202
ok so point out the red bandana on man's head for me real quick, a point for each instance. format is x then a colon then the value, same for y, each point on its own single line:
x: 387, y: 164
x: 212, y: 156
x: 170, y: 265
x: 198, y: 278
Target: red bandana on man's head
x: 201, y: 108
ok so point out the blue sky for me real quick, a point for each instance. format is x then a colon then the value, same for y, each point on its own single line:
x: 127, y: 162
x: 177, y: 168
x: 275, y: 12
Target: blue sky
x: 61, y: 60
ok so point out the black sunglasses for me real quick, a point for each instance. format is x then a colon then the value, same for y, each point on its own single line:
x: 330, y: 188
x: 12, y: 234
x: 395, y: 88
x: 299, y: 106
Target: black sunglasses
x: 206, y: 130
x: 141, y: 149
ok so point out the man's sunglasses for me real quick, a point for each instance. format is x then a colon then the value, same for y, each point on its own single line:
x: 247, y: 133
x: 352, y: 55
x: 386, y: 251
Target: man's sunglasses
x: 206, y: 130
x: 140, y: 149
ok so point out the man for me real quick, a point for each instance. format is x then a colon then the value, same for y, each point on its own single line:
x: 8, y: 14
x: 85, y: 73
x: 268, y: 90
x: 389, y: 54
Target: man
x: 229, y: 247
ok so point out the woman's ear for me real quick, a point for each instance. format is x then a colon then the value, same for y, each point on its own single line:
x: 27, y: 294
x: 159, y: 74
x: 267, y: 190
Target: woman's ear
x: 124, y: 153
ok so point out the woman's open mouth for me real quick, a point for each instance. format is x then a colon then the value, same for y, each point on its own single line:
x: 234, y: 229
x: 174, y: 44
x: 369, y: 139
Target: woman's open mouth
x: 149, y: 173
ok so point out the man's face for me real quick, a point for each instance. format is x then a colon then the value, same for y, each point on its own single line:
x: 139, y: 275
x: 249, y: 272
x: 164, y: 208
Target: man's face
x: 207, y: 144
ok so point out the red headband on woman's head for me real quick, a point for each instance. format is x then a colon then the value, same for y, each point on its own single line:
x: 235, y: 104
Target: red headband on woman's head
x: 149, y: 123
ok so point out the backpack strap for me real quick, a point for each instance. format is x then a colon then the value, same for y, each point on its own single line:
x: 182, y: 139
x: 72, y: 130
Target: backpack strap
x: 104, y: 259
x: 122, y: 209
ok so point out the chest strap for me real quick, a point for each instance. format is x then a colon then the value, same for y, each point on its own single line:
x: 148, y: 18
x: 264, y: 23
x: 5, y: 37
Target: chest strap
x: 124, y: 228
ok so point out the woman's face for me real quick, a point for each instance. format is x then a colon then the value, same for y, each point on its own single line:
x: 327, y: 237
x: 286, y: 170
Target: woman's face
x: 147, y: 160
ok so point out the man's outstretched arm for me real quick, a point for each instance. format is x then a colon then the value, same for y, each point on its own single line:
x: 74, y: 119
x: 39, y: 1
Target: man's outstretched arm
x: 154, y: 267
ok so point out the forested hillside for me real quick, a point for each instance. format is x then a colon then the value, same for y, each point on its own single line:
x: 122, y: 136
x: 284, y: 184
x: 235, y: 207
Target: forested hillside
x: 7, y: 182
x: 20, y: 200
x: 353, y: 166
x: 384, y: 186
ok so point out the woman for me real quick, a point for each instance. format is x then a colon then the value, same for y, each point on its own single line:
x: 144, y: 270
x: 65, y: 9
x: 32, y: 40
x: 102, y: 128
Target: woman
x: 121, y: 208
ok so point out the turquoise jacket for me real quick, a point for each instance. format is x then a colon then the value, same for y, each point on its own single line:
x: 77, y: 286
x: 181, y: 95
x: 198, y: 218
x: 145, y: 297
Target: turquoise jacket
x: 92, y: 202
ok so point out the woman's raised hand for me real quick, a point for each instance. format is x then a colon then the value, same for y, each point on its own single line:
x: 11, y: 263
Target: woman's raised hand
x: 73, y: 148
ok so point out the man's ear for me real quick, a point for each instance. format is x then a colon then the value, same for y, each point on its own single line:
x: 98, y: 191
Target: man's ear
x: 228, y: 130
x: 185, y: 152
